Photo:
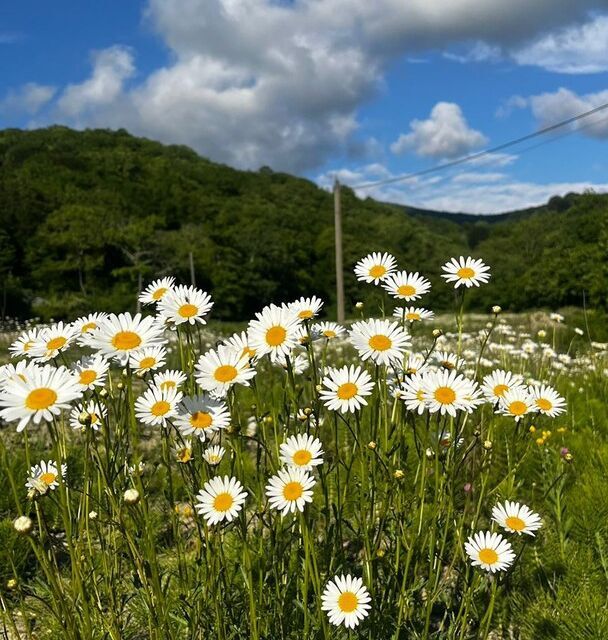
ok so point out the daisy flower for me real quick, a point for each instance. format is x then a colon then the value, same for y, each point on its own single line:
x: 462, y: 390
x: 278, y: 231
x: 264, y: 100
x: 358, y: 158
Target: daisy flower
x: 415, y: 363
x: 382, y: 341
x: 496, y: 384
x: 406, y: 286
x: 51, y: 341
x: 306, y: 308
x: 516, y: 402
x: 346, y: 601
x: 375, y: 267
x: 183, y: 451
x: 449, y: 392
x: 24, y: 343
x: 213, y: 455
x: 201, y: 416
x: 172, y: 379
x: 119, y: 335
x: 329, y: 330
x: 91, y: 371
x: 274, y: 332
x: 185, y: 304
x: 469, y: 272
x: 302, y: 451
x: 547, y: 401
x: 448, y: 360
x: 96, y: 413
x: 43, y: 394
x: 290, y: 490
x: 20, y: 370
x: 413, y: 314
x: 412, y: 393
x: 147, y: 359
x: 219, y: 370
x: 156, y: 406
x: 345, y: 389
x: 516, y: 518
x: 490, y: 551
x: 156, y: 291
x: 240, y: 343
x: 44, y: 476
x: 85, y: 326
x: 220, y: 499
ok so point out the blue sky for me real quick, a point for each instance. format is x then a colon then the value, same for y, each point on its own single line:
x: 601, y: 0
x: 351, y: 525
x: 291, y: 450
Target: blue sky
x: 362, y: 90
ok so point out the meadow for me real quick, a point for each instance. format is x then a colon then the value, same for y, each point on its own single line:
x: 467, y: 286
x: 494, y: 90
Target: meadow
x: 403, y: 476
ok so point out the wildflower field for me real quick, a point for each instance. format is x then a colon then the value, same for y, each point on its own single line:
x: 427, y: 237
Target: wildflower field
x: 400, y: 476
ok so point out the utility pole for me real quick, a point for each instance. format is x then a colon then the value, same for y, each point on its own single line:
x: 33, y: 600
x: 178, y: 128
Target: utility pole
x: 339, y: 266
x: 192, y: 278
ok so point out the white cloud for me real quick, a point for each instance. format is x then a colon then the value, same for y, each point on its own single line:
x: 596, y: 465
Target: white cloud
x: 478, y: 52
x: 549, y: 108
x: 581, y: 48
x: 474, y: 177
x: 111, y: 67
x: 445, y: 134
x: 29, y: 99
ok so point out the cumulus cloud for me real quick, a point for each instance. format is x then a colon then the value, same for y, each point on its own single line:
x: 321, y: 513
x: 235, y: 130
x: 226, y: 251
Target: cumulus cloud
x: 445, y: 134
x: 29, y: 99
x: 581, y: 48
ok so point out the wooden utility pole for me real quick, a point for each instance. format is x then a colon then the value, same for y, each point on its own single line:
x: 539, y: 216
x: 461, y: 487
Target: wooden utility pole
x: 192, y: 278
x: 339, y: 267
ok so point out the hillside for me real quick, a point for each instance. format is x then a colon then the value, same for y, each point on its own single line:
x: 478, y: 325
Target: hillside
x: 86, y: 214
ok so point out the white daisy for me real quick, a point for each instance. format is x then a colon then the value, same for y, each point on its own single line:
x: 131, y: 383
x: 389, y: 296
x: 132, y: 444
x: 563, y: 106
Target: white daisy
x: 156, y: 406
x: 382, y: 341
x: 290, y: 490
x: 220, y: 499
x: 213, y: 455
x: 302, y: 451
x: 96, y: 415
x: 44, y: 476
x: 85, y: 326
x: 239, y: 342
x: 345, y: 389
x: 201, y: 416
x: 185, y: 304
x: 412, y: 393
x: 91, y: 371
x: 516, y: 518
x: 148, y: 359
x: 547, y: 401
x: 183, y: 451
x: 346, y: 601
x: 274, y: 332
x: 516, y: 402
x: 20, y: 370
x: 448, y: 392
x: 43, y: 394
x: 448, y: 360
x: 157, y: 290
x: 469, y: 272
x: 406, y: 286
x: 413, y: 314
x: 490, y: 551
x: 375, y: 267
x: 219, y: 370
x: 172, y: 379
x: 22, y: 346
x: 51, y: 341
x: 497, y: 383
x: 329, y: 330
x: 306, y: 308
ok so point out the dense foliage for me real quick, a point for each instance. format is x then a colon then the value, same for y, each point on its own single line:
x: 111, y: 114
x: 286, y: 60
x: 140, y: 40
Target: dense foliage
x: 87, y: 215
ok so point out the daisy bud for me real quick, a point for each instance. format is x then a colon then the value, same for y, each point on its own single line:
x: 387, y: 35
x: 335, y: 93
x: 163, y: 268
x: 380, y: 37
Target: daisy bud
x: 398, y: 474
x: 437, y: 333
x: 120, y: 386
x: 359, y: 305
x: 23, y: 525
x: 371, y: 445
x: 496, y: 309
x: 541, y: 333
x: 568, y: 457
x: 381, y: 553
x: 429, y: 453
x: 307, y: 411
x: 131, y: 496
x: 268, y: 420
x: 84, y: 418
x: 253, y: 407
x: 93, y: 515
x: 103, y: 393
x: 532, y: 429
x: 11, y: 584
x: 487, y: 445
x: 319, y: 388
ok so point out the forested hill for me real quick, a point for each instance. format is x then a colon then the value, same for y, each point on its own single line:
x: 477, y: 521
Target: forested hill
x: 85, y: 213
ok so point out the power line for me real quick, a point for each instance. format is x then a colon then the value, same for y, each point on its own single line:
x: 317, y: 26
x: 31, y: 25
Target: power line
x: 481, y: 154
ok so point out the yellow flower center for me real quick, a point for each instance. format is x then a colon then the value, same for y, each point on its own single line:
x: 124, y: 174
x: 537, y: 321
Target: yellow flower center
x: 225, y: 373
x: 406, y: 290
x: 159, y: 293
x: 518, y: 408
x: 328, y: 333
x: 41, y: 398
x: 125, y: 340
x: 48, y: 478
x: 377, y: 271
x: 223, y: 502
x: 347, y: 391
x: 488, y: 556
x: 305, y: 314
x: 292, y: 491
x: 275, y: 336
x: 160, y: 408
x: 28, y: 345
x: 543, y: 404
x: 465, y: 273
x: 146, y: 363
x: 89, y: 326
x: 184, y: 455
x: 302, y: 457
x: 187, y: 310
x: 168, y: 384
x: 500, y: 390
x: 445, y: 395
x: 420, y: 395
x: 56, y: 343
x: 347, y: 602
x: 380, y: 342
x: 515, y: 523
x: 87, y: 376
x: 412, y: 316
x: 201, y: 420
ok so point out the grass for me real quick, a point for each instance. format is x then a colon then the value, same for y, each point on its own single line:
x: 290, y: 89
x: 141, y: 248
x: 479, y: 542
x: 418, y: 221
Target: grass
x: 392, y: 505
